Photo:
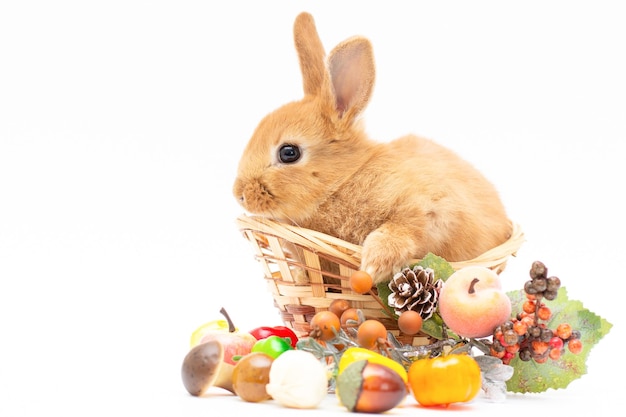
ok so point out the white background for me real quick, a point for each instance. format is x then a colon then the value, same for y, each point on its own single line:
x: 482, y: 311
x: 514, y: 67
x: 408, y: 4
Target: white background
x: 121, y: 124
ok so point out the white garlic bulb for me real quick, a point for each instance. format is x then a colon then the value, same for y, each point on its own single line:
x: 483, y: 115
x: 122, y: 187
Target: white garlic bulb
x: 297, y: 379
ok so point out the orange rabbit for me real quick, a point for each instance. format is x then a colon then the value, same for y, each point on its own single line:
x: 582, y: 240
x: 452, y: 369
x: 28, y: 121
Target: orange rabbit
x: 311, y: 163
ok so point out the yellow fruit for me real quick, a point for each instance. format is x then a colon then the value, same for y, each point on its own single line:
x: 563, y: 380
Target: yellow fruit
x: 353, y: 354
x: 211, y: 326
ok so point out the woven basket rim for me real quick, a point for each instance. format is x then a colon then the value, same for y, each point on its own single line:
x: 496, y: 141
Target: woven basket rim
x: 327, y: 259
x: 319, y: 242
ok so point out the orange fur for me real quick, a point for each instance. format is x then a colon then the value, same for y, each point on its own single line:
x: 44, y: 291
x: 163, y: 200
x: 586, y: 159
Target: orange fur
x: 400, y: 200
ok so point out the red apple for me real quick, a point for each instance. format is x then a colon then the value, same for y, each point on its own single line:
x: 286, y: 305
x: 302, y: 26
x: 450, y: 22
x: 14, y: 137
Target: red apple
x: 234, y: 342
x: 472, y: 303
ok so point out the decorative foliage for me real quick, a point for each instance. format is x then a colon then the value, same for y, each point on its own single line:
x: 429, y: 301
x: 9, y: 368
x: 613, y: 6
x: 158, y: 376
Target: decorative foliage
x: 532, y: 377
x: 442, y: 268
x: 528, y: 376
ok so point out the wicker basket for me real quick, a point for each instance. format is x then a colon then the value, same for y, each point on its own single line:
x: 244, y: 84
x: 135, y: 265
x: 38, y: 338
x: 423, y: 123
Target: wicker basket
x: 273, y: 244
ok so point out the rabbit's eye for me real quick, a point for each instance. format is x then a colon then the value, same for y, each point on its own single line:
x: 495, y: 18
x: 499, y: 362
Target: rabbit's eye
x: 288, y: 154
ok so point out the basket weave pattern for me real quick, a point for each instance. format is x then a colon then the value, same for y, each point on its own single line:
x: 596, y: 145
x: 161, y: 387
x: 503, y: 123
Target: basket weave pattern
x: 329, y: 262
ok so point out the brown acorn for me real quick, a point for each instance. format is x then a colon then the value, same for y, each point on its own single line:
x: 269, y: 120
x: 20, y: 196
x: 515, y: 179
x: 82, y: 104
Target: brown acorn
x: 366, y: 387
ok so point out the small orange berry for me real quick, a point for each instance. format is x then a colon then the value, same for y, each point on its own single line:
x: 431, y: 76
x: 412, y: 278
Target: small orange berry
x: 564, y: 331
x: 361, y: 282
x: 327, y: 322
x: 555, y: 354
x: 410, y: 322
x: 350, y: 318
x: 513, y: 348
x: 529, y: 306
x: 544, y: 313
x: 539, y: 347
x: 369, y: 333
x: 575, y: 346
x: 520, y: 327
x: 338, y: 306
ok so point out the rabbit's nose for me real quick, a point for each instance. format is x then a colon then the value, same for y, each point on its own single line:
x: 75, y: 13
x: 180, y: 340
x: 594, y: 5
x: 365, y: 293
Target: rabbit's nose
x: 241, y: 198
x: 255, y: 197
x: 238, y: 191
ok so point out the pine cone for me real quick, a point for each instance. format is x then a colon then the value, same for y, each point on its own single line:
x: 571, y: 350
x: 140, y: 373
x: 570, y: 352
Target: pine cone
x: 415, y: 289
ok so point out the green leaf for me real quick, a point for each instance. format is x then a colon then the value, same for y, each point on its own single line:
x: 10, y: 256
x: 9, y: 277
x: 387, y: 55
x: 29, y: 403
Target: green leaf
x: 438, y: 264
x: 534, y: 377
x: 433, y: 327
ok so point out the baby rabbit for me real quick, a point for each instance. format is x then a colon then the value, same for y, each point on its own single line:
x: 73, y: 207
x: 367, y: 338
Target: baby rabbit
x: 310, y: 163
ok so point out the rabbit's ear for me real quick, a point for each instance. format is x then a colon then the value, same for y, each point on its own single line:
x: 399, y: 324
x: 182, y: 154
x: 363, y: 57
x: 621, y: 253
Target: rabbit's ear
x: 352, y: 72
x: 310, y: 53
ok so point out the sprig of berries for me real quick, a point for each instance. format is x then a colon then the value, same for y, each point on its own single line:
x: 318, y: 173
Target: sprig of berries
x: 527, y: 334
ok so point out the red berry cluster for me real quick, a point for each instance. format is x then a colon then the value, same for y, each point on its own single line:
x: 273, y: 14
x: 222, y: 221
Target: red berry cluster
x: 527, y: 335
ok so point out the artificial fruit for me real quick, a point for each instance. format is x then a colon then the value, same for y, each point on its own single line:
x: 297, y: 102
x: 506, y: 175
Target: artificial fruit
x: 297, y: 379
x: 472, y: 302
x: 357, y: 353
x: 444, y: 380
x: 368, y: 387
x: 235, y: 343
x: 204, y: 367
x: 280, y: 331
x: 274, y: 346
x: 251, y: 375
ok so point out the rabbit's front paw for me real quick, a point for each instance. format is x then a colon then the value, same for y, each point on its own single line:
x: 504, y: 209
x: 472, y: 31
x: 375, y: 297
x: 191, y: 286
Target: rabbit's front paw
x: 384, y: 254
